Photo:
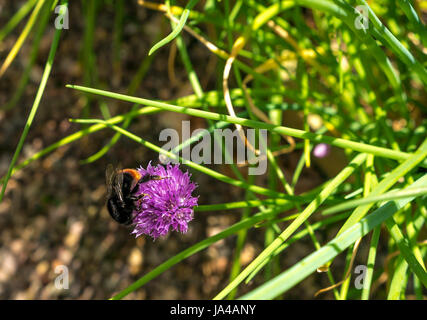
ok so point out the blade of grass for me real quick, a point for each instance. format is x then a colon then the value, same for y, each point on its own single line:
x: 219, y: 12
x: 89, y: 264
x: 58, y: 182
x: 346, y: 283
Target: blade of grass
x: 405, y: 193
x: 24, y: 34
x: 371, y: 263
x: 416, y: 265
x: 419, y: 156
x: 338, y: 142
x: 308, y: 211
x: 412, y: 16
x: 296, y: 237
x: 36, y: 104
x: 210, y: 97
x: 177, y: 29
x: 17, y: 17
x: 241, y: 204
x: 42, y: 24
x: 345, y: 12
x: 308, y: 265
x: 395, y: 45
x: 240, y: 242
x: 198, y: 167
x: 136, y: 80
x: 244, y: 224
x: 399, y: 280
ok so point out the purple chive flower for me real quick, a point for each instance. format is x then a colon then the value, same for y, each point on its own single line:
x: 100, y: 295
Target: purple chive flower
x: 321, y: 150
x: 167, y: 203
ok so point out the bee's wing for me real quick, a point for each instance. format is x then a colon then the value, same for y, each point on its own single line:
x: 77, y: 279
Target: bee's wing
x: 109, y: 178
x: 118, y: 184
x: 114, y: 180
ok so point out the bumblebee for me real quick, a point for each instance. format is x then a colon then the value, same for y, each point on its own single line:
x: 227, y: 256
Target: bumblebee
x: 121, y: 188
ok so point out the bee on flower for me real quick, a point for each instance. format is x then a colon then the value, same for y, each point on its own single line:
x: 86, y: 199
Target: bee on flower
x: 155, y: 200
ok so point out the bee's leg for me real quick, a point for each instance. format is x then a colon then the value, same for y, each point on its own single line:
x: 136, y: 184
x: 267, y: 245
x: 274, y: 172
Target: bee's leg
x: 146, y: 179
x: 139, y: 197
x: 158, y: 177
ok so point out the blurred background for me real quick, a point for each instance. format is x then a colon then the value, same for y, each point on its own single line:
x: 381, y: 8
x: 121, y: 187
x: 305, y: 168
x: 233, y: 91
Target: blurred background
x: 54, y: 209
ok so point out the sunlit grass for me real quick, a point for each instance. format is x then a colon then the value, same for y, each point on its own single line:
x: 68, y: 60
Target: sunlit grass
x: 314, y: 63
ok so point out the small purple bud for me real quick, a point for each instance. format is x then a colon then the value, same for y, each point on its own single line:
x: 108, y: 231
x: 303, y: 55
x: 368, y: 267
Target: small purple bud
x: 321, y: 150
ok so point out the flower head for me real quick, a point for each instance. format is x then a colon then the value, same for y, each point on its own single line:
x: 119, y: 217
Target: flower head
x: 165, y: 203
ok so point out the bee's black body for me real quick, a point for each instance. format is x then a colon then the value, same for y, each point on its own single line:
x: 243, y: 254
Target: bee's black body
x: 122, y: 186
x: 121, y: 206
